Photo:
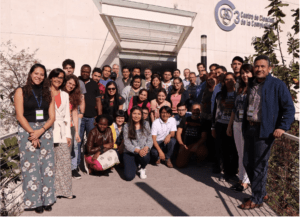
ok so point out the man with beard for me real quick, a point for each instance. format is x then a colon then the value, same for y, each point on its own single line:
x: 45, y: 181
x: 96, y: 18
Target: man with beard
x: 191, y: 137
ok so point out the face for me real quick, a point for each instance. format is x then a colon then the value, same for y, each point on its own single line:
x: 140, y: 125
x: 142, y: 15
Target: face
x: 70, y: 85
x: 111, y: 90
x: 186, y: 74
x: 196, y: 110
x: 145, y: 114
x: 57, y: 81
x: 202, y: 75
x: 181, y: 111
x: 106, y: 72
x: 229, y: 81
x: 177, y: 84
x: 213, y: 70
x: 143, y: 96
x: 103, y: 124
x: 116, y: 69
x: 161, y: 97
x: 236, y: 66
x: 193, y: 78
x: 261, y: 69
x: 200, y: 68
x: 136, y: 116
x: 37, y: 76
x: 85, y: 73
x: 96, y: 76
x: 136, y: 84
x: 148, y: 74
x: 136, y: 72
x: 120, y: 120
x: 176, y: 74
x: 245, y: 75
x: 69, y: 70
x: 156, y: 82
x: 126, y: 73
x: 220, y: 74
x: 164, y: 115
x: 167, y: 76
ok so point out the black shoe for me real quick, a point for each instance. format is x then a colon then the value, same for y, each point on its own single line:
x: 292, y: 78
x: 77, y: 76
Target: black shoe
x: 75, y: 174
x: 73, y: 197
x: 233, y: 178
x: 39, y: 210
x: 240, y: 188
x: 233, y: 187
x: 48, y: 208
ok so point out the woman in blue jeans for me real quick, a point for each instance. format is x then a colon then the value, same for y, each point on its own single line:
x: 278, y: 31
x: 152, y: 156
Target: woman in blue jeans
x: 138, y: 142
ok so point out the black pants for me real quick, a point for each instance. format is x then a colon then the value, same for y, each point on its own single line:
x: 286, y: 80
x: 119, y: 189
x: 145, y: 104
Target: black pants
x: 131, y: 161
x: 226, y: 150
x: 256, y: 156
x: 210, y: 141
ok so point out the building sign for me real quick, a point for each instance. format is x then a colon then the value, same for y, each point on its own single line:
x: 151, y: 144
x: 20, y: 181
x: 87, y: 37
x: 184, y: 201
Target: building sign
x: 227, y: 17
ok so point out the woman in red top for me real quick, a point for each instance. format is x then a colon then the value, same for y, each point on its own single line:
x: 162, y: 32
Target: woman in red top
x: 140, y: 100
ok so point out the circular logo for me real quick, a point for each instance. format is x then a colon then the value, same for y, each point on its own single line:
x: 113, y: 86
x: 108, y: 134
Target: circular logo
x: 224, y: 15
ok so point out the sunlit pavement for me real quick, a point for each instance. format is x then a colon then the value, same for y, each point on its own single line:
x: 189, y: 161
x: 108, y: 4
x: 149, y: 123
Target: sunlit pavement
x: 193, y: 191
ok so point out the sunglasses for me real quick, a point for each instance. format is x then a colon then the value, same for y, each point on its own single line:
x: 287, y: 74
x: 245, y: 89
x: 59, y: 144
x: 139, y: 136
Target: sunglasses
x: 113, y: 88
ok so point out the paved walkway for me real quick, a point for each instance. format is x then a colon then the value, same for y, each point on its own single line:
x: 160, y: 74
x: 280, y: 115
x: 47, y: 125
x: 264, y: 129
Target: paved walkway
x: 193, y: 191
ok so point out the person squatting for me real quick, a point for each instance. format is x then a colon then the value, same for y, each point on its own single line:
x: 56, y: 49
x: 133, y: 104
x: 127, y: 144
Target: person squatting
x: 132, y: 119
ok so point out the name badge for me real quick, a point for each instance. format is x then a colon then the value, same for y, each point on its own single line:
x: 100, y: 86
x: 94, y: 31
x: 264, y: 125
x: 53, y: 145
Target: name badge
x: 250, y: 111
x: 241, y: 114
x: 39, y: 114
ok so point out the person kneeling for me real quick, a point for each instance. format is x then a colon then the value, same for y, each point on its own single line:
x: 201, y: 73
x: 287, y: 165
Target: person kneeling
x: 138, y: 142
x: 163, y: 133
x: 99, y: 147
x: 191, y: 138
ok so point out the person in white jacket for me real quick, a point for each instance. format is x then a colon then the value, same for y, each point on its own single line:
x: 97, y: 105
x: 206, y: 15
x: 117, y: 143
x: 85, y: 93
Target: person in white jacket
x: 61, y: 135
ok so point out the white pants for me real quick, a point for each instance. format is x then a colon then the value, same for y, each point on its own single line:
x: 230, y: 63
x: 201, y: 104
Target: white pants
x: 239, y: 142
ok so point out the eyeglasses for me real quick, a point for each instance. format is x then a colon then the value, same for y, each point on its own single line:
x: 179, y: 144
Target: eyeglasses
x: 113, y: 88
x: 177, y: 83
x: 145, y: 113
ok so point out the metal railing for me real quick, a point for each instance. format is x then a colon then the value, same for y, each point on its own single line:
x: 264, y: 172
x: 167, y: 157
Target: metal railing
x: 282, y: 186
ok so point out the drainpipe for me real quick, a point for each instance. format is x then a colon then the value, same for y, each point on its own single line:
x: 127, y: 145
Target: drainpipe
x: 204, y: 50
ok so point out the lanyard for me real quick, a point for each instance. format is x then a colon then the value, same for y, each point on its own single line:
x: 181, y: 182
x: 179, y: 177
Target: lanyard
x: 39, y: 103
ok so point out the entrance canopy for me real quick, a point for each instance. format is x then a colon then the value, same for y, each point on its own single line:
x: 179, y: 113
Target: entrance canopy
x: 146, y: 29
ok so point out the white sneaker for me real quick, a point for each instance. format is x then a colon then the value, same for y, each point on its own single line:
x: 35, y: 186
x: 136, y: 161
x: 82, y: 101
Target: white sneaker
x: 143, y: 173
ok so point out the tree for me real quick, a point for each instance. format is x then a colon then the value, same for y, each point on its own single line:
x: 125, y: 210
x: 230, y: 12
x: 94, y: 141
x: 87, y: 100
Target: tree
x: 15, y: 66
x: 271, y: 41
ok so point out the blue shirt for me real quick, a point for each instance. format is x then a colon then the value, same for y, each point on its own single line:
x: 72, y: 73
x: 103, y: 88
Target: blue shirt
x: 185, y: 83
x: 217, y: 89
x: 199, y: 91
x: 104, y: 82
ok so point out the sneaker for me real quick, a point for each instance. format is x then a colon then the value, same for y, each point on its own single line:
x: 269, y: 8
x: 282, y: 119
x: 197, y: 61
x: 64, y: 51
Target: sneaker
x: 75, y: 174
x: 143, y: 173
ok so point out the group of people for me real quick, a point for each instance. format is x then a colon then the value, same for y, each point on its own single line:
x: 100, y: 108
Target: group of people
x: 133, y: 118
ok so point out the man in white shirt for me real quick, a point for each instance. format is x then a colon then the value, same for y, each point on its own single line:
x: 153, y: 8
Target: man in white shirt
x: 163, y: 133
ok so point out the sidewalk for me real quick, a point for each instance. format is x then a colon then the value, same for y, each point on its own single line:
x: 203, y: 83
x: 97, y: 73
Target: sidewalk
x: 193, y: 191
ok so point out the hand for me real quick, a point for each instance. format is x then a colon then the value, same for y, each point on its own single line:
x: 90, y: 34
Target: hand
x: 142, y: 153
x: 96, y: 156
x: 146, y: 148
x: 278, y: 133
x: 69, y: 141
x: 80, y: 115
x: 184, y: 145
x: 36, y: 143
x: 229, y: 131
x: 167, y: 139
x: 213, y: 133
x: 36, y: 134
x: 161, y: 155
x: 77, y: 137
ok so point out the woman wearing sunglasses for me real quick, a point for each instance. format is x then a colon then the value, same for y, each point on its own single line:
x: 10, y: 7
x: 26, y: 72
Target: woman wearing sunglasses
x: 112, y: 101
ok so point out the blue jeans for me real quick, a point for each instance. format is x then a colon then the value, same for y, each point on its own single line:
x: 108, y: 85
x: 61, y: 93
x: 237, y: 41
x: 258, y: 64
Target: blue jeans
x: 167, y: 149
x: 87, y: 124
x: 256, y: 155
x: 74, y: 151
x: 131, y: 161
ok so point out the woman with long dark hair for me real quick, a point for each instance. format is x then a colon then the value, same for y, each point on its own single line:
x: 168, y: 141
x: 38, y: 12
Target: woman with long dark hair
x: 138, y: 142
x: 35, y: 112
x: 112, y: 101
x: 178, y: 94
x: 140, y: 100
x: 61, y: 135
x: 117, y: 130
x: 236, y: 120
x: 155, y: 86
x: 132, y: 90
x: 157, y: 103
x: 224, y: 104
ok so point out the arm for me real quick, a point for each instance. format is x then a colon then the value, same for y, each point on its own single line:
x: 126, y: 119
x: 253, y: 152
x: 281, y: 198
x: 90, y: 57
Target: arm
x: 179, y: 137
x: 82, y: 106
x: 152, y: 106
x: 127, y: 142
x: 99, y: 105
x: 90, y: 149
x: 67, y: 119
x: 75, y: 121
x: 149, y: 141
x: 160, y: 152
x: 110, y: 140
x: 213, y: 131
x: 229, y: 127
